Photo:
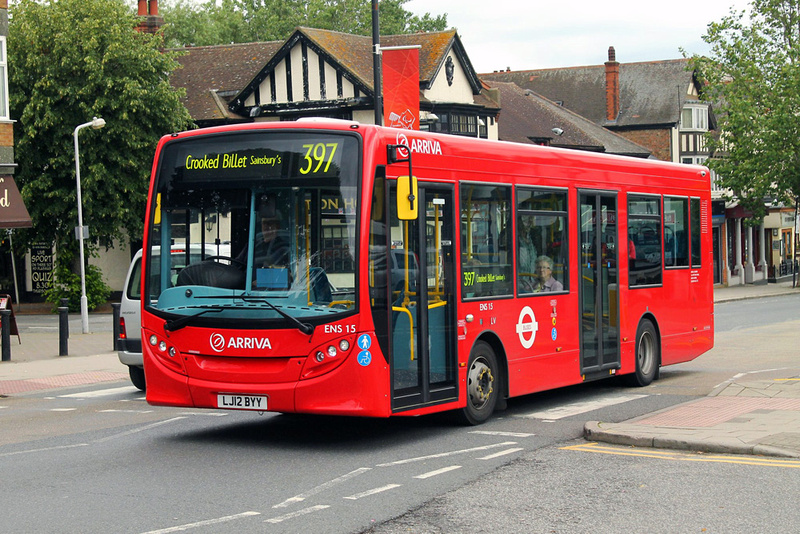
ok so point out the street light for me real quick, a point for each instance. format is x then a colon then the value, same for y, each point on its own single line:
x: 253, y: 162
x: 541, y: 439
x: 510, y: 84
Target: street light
x: 96, y: 123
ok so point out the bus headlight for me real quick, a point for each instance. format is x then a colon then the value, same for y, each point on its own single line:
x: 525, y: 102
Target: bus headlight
x: 326, y: 358
x: 163, y: 351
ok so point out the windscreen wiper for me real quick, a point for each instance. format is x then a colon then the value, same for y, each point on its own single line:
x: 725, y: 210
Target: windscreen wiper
x: 305, y: 328
x: 177, y: 324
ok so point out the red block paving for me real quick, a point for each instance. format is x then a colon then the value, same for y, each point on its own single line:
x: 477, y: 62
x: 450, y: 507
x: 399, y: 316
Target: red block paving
x: 712, y: 411
x: 9, y: 387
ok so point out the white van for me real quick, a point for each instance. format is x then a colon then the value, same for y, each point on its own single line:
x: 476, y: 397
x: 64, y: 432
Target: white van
x: 129, y: 342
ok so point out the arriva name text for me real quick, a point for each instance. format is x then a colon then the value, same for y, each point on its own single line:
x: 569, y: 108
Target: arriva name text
x: 249, y: 343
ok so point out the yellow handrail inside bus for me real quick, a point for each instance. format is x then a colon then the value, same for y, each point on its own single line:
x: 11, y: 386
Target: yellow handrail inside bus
x: 410, y: 329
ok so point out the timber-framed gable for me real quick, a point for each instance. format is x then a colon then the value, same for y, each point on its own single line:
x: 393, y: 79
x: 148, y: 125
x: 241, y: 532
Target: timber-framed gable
x: 303, y: 78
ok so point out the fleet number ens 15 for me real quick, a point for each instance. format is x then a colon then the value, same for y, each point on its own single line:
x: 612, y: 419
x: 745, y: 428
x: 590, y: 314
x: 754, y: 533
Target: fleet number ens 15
x: 340, y: 329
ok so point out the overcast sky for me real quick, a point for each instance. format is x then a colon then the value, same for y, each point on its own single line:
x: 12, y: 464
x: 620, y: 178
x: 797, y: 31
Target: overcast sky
x: 532, y: 34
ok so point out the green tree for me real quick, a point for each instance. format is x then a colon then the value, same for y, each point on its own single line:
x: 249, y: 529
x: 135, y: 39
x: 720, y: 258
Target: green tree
x: 71, y: 60
x: 752, y: 77
x: 241, y: 21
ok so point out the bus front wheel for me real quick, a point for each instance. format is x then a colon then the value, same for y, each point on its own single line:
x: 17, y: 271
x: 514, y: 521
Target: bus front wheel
x: 482, y: 384
x: 137, y: 377
x: 647, y: 354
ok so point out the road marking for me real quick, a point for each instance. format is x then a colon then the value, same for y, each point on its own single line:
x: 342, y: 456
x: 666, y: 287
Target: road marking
x: 322, y: 487
x: 298, y: 513
x: 122, y: 411
x: 63, y: 409
x: 504, y: 434
x: 501, y: 453
x: 441, y: 471
x: 577, y: 408
x: 45, y: 449
x: 685, y: 457
x: 207, y: 522
x: 445, y: 454
x: 99, y: 393
x: 373, y: 491
x: 137, y: 430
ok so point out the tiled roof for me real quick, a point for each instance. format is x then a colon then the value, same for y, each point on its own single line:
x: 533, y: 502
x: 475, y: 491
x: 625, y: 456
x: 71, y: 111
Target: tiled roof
x: 526, y: 115
x: 354, y: 52
x: 214, y: 75
x: 206, y: 71
x: 651, y: 93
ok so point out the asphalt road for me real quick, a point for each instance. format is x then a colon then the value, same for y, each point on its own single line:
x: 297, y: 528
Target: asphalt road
x: 99, y: 459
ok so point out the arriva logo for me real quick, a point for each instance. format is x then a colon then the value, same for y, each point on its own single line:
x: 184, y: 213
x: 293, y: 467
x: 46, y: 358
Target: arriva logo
x: 218, y: 343
x: 420, y: 146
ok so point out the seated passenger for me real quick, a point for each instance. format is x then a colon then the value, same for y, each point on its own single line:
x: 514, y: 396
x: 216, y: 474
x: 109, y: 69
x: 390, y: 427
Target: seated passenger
x: 544, y: 272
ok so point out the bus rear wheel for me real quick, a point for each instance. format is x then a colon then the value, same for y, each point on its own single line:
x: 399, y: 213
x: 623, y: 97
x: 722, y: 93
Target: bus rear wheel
x: 482, y: 384
x: 647, y: 354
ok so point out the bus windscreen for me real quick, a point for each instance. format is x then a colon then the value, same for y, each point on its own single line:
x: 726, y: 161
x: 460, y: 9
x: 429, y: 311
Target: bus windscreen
x: 271, y: 217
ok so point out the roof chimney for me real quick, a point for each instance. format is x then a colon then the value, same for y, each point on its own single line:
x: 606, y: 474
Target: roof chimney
x: 612, y: 85
x: 151, y: 21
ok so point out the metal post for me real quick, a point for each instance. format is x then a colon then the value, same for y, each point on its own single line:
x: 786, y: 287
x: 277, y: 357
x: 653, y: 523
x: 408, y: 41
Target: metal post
x: 96, y: 123
x: 794, y: 254
x: 63, y: 329
x: 376, y: 64
x: 115, y: 309
x: 5, y: 334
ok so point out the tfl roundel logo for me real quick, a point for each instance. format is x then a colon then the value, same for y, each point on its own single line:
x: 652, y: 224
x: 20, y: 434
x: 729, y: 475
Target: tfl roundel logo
x: 217, y: 342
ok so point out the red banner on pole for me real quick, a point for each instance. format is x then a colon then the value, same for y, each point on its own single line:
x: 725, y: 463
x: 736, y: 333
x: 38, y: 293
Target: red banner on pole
x: 401, y: 87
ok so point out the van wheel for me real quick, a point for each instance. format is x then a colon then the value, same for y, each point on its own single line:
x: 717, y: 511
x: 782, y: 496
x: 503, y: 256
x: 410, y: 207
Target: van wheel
x: 137, y: 376
x: 648, y: 355
x: 483, y: 384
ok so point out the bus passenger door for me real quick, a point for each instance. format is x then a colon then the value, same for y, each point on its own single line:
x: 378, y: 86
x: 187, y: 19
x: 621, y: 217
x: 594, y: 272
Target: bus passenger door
x: 423, y: 360
x: 598, y: 285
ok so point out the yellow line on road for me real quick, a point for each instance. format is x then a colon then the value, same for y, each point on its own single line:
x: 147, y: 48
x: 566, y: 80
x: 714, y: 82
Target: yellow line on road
x: 686, y: 457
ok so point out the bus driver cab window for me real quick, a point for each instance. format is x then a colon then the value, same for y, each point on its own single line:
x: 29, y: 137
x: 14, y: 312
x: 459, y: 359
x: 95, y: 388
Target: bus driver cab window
x: 270, y: 250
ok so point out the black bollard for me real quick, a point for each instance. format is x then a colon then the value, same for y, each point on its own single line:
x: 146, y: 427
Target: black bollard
x: 5, y: 334
x: 63, y: 330
x: 115, y: 308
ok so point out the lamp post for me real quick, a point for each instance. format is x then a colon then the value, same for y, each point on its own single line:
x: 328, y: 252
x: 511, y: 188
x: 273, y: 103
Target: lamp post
x: 96, y: 123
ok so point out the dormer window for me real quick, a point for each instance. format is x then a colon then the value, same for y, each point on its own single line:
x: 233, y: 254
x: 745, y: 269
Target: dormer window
x: 694, y: 117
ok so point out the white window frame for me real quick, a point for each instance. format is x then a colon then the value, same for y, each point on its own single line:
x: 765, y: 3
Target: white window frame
x: 699, y: 118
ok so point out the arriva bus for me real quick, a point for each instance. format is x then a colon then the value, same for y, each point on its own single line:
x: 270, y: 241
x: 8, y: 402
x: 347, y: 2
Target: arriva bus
x: 379, y: 272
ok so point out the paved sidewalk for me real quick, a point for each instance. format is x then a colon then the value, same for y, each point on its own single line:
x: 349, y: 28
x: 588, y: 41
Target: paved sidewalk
x: 759, y: 417
x: 743, y: 416
x: 36, y: 365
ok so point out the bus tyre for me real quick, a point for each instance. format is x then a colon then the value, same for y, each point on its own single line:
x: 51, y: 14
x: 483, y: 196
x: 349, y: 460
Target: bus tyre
x: 482, y: 384
x: 647, y: 354
x: 137, y: 376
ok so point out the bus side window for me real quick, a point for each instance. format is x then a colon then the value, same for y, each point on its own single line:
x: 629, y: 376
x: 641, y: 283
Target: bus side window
x: 485, y: 240
x: 541, y: 241
x: 644, y: 240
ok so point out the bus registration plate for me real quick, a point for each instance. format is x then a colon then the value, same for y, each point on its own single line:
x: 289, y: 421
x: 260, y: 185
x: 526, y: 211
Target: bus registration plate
x: 242, y: 402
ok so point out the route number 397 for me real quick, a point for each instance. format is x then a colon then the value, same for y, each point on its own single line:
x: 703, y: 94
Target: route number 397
x: 316, y: 156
